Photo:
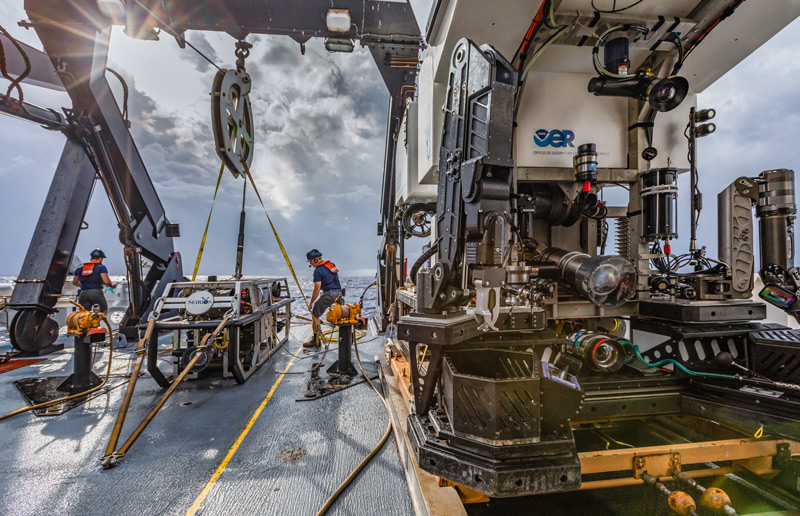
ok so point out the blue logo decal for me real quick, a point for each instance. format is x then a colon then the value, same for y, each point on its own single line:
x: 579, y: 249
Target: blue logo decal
x: 554, y: 138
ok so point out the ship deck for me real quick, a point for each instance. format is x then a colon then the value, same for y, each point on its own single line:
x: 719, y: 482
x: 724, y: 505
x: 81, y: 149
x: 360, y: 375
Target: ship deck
x: 215, y: 447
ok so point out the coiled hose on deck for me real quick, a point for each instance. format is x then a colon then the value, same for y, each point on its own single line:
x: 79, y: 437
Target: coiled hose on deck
x: 78, y: 395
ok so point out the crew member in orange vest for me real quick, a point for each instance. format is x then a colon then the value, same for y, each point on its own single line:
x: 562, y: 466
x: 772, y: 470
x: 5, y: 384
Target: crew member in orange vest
x: 326, y: 290
x: 91, y: 277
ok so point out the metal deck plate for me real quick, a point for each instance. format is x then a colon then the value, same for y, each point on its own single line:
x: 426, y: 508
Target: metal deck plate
x: 320, y: 383
x: 53, y: 464
x: 41, y: 390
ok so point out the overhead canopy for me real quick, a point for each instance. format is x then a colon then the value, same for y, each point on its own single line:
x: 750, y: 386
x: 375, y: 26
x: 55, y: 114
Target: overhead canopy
x: 735, y: 37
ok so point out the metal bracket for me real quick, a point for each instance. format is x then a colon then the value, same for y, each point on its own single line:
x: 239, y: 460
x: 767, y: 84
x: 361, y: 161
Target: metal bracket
x: 656, y: 464
x: 747, y: 187
x: 783, y: 457
x: 487, y: 305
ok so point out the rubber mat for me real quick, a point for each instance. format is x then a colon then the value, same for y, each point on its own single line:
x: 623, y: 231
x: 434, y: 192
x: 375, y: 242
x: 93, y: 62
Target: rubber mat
x: 16, y: 364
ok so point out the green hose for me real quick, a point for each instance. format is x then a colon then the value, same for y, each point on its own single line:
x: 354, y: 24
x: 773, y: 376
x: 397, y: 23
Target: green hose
x: 635, y: 349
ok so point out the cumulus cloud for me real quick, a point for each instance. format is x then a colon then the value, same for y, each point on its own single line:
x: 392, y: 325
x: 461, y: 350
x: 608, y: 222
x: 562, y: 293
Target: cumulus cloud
x: 201, y: 43
x: 319, y: 130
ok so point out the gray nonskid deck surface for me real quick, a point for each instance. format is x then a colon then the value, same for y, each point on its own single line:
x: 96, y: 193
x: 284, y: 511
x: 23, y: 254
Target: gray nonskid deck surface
x: 51, y: 464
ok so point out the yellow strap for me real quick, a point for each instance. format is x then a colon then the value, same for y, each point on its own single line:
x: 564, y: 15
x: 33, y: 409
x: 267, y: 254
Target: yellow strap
x: 205, y: 233
x: 274, y: 231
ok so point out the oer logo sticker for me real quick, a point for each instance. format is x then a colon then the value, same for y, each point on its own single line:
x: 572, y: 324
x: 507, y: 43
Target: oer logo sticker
x: 199, y: 302
x: 554, y: 138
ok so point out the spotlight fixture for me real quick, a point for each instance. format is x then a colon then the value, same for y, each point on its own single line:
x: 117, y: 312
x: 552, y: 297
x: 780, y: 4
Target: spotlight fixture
x: 613, y: 81
x: 662, y: 94
x: 696, y: 119
x: 704, y: 130
x: 339, y: 45
x: 668, y: 93
x: 704, y: 115
x: 338, y: 20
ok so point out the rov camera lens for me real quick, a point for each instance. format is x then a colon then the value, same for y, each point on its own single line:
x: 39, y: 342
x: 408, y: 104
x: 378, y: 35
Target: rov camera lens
x: 609, y: 281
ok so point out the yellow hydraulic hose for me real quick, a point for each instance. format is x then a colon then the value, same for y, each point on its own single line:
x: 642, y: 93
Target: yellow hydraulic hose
x: 363, y: 463
x: 73, y: 396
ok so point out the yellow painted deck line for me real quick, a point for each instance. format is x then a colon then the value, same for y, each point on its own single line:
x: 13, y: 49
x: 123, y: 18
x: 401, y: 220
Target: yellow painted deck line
x: 224, y: 464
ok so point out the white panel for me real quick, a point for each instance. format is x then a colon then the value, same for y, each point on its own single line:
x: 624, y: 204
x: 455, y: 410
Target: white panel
x: 401, y: 184
x: 560, y: 102
x: 668, y: 136
x: 407, y: 186
x: 417, y: 192
x: 680, y: 8
x: 430, y: 99
x: 562, y: 58
x: 735, y: 38
x: 501, y: 24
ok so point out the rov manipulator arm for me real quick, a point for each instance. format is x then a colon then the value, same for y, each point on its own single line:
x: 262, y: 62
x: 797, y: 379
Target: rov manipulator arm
x: 475, y: 172
x: 98, y: 144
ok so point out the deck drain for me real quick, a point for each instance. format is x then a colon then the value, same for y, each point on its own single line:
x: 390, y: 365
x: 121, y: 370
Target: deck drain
x: 292, y: 454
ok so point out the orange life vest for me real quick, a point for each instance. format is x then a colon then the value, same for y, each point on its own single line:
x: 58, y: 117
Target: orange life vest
x: 88, y: 268
x: 328, y: 265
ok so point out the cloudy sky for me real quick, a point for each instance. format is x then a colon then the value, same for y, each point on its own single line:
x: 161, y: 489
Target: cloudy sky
x: 320, y: 125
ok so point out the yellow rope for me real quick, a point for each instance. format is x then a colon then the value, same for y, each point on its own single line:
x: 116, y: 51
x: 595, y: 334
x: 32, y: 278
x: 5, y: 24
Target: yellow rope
x: 205, y: 233
x: 269, y: 219
x: 274, y: 231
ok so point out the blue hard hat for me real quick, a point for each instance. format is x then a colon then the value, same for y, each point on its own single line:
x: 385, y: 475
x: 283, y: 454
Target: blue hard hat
x: 97, y: 253
x: 313, y: 253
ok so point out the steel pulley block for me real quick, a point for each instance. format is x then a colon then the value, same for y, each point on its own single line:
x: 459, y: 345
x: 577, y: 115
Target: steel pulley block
x: 232, y: 119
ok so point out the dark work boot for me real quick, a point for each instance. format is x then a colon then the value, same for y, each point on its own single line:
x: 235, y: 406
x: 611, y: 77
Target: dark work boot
x: 311, y: 342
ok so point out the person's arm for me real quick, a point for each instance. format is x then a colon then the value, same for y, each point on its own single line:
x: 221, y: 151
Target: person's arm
x: 317, y: 288
x: 76, y: 281
x: 104, y: 277
x: 107, y: 280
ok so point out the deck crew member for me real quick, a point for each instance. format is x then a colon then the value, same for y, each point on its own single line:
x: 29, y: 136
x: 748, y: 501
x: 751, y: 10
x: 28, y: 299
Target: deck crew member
x: 91, y: 277
x: 326, y: 290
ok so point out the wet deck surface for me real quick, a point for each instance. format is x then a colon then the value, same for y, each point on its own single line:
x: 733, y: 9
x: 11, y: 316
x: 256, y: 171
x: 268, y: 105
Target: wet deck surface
x: 51, y: 465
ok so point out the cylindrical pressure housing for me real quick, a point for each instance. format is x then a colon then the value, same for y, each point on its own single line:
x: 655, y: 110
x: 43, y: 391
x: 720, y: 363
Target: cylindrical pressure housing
x: 607, y: 281
x: 585, y: 163
x: 776, y: 211
x: 660, y: 204
x: 599, y: 352
x: 616, y: 55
